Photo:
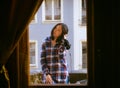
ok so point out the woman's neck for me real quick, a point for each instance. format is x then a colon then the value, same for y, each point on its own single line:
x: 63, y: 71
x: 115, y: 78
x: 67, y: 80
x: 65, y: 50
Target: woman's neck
x: 55, y: 39
x: 53, y: 42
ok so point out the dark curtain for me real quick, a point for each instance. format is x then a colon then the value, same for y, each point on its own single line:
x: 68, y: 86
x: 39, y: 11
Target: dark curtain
x: 14, y: 50
x: 18, y: 63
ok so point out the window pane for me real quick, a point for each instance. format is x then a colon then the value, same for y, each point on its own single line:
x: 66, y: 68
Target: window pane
x: 32, y: 53
x: 57, y: 9
x: 32, y: 45
x: 48, y: 9
x: 84, y: 54
x: 32, y: 59
x: 84, y: 12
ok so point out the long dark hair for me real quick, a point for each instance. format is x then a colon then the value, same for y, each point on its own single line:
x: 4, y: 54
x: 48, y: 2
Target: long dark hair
x: 64, y: 31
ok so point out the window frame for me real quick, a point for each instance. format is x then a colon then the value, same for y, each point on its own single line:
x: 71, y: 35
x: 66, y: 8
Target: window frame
x: 36, y: 54
x: 90, y: 47
x: 81, y: 69
x: 51, y: 21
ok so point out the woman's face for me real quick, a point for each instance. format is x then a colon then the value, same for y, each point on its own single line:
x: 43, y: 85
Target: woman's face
x: 57, y: 31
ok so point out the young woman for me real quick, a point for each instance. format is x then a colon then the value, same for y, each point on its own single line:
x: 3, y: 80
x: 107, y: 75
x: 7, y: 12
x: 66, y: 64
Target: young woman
x: 53, y: 60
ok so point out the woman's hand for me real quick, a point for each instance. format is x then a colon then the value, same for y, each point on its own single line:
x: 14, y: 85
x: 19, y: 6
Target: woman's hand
x: 49, y: 79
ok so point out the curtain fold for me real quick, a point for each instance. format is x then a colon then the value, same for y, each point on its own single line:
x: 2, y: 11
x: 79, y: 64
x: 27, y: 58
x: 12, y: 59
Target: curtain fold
x: 18, y: 63
x: 14, y: 49
x: 24, y: 60
x: 15, y: 17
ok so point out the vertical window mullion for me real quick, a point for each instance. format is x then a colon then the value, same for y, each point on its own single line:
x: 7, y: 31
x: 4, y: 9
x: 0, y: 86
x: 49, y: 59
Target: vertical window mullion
x: 61, y: 1
x: 52, y: 9
x: 44, y: 14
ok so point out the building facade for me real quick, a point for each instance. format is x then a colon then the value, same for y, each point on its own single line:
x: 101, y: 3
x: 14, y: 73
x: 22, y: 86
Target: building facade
x: 51, y: 12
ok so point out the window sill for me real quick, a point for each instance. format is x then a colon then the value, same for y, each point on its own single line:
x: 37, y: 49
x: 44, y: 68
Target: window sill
x: 79, y: 71
x: 33, y: 22
x: 33, y: 66
x: 51, y: 21
x: 75, y: 78
x: 56, y: 85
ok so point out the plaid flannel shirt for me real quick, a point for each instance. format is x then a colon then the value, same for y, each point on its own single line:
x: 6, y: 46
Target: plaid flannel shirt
x: 53, y: 61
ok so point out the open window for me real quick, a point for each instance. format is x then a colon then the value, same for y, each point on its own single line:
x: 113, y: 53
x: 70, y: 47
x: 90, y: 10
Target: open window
x: 57, y: 10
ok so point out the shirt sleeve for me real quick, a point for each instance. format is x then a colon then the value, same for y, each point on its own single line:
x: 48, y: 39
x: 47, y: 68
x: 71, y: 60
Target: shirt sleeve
x: 43, y: 61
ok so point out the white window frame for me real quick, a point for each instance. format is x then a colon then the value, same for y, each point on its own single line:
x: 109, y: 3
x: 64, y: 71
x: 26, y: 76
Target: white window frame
x: 51, y: 21
x: 34, y: 19
x: 78, y: 63
x: 36, y: 53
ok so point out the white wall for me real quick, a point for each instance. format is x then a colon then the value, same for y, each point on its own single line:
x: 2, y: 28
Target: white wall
x: 79, y: 34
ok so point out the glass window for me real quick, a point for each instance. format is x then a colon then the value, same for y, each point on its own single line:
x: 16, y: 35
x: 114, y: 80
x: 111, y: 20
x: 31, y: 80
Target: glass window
x: 48, y: 9
x: 52, y: 10
x: 57, y: 10
x: 33, y: 53
x: 83, y: 12
x: 84, y: 54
